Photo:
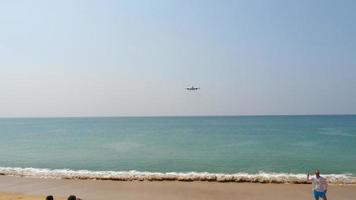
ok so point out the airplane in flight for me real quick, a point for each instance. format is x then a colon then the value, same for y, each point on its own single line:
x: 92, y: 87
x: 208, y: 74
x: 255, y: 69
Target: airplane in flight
x: 192, y: 88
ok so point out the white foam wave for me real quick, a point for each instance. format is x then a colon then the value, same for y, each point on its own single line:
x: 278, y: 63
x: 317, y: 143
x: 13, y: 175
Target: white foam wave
x: 261, y: 177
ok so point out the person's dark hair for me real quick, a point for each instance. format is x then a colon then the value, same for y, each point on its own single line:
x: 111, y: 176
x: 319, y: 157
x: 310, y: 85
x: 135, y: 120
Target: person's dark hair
x: 72, y: 197
x: 49, y: 197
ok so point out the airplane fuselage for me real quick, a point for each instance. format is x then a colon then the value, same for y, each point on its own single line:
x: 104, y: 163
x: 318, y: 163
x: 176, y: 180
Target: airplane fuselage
x: 192, y: 88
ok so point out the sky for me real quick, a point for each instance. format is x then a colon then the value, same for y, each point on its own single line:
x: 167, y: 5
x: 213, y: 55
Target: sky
x: 135, y: 58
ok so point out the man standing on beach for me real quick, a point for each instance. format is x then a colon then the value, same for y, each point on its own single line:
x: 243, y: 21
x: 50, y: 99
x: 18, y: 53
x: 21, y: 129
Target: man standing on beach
x: 320, y: 185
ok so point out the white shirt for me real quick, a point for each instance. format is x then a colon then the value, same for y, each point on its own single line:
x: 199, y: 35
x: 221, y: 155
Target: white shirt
x: 319, y: 184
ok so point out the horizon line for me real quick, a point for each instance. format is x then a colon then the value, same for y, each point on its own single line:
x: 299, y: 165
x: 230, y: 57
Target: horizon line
x: 158, y: 116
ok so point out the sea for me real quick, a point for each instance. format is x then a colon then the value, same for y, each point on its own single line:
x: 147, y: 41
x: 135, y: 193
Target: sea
x: 279, y: 149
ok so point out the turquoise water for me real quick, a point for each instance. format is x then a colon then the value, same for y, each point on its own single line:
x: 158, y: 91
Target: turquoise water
x: 281, y: 144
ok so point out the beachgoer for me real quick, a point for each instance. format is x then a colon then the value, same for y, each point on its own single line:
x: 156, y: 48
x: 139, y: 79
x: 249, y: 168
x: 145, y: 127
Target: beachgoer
x: 49, y: 197
x: 73, y: 197
x: 319, y: 185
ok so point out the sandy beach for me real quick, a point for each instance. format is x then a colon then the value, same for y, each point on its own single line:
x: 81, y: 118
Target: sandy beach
x: 17, y: 196
x: 35, y: 188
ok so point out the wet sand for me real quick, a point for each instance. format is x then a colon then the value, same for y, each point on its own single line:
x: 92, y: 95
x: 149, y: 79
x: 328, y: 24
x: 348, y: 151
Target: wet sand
x: 35, y: 189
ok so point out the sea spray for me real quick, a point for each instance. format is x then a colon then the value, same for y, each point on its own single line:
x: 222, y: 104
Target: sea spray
x: 261, y: 177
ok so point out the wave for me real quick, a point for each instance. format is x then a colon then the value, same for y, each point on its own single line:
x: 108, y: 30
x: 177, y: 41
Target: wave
x: 261, y: 177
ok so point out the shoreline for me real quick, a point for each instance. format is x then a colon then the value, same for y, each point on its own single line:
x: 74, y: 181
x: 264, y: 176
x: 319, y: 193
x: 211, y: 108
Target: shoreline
x: 261, y: 177
x: 114, y: 190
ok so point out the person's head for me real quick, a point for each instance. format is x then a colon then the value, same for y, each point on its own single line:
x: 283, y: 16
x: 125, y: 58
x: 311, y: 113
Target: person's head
x: 50, y: 197
x: 72, y: 197
x: 317, y: 173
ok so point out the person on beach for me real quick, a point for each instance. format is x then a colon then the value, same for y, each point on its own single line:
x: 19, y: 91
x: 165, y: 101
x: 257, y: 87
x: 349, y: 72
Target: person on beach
x: 50, y: 197
x: 73, y: 197
x: 319, y: 185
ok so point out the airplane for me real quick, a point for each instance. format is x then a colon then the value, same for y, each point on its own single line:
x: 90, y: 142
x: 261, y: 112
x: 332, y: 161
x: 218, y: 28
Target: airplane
x: 192, y: 88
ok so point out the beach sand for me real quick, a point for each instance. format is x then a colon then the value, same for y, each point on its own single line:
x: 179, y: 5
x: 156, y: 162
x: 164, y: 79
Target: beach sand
x: 35, y: 188
x: 16, y: 196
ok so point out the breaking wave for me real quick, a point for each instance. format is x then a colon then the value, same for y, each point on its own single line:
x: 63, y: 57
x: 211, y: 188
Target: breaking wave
x: 261, y: 177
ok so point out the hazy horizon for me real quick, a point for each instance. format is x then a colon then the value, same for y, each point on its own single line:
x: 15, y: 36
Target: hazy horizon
x: 158, y: 116
x: 135, y: 58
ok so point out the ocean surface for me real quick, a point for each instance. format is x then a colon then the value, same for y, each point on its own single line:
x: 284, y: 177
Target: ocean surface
x: 241, y: 148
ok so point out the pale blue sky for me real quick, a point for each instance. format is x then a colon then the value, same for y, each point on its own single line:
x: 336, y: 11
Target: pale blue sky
x: 134, y: 58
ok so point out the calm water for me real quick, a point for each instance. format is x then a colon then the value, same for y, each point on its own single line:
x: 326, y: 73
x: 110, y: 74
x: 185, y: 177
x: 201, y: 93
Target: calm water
x: 292, y: 144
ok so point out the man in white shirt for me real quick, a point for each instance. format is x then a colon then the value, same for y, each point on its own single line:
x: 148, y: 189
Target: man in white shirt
x: 319, y: 184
